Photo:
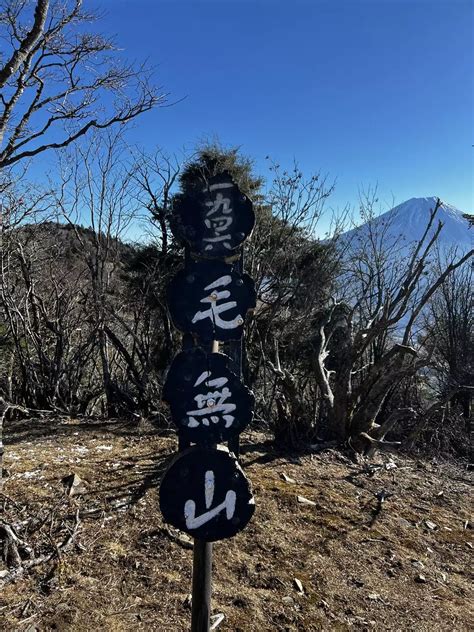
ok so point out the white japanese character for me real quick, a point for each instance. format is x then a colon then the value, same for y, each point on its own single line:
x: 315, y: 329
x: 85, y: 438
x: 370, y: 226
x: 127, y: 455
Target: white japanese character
x: 218, y: 223
x: 210, y: 404
x: 214, y: 312
x: 193, y: 521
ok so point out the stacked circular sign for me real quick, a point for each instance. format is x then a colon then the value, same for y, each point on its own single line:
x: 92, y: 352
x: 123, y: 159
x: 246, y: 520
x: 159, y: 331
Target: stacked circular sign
x: 204, y: 492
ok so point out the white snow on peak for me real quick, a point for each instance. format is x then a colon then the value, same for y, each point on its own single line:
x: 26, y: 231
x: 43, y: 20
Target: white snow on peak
x: 408, y: 220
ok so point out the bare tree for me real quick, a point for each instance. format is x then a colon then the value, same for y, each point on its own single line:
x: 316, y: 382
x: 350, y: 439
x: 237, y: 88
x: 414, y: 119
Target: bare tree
x: 18, y: 203
x: 358, y: 360
x: 97, y: 188
x: 59, y: 79
x: 293, y: 271
x: 83, y: 314
x: 450, y: 322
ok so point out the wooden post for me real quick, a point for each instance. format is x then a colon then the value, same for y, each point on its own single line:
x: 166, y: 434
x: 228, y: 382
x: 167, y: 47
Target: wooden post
x: 202, y: 573
x: 202, y: 586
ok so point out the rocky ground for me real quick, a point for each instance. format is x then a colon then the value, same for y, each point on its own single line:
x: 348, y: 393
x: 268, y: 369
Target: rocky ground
x: 333, y: 545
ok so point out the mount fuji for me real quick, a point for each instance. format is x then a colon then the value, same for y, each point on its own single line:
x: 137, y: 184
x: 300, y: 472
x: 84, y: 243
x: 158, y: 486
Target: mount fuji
x: 406, y: 223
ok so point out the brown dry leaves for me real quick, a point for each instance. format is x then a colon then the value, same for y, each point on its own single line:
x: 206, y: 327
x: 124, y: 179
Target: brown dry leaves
x: 126, y: 572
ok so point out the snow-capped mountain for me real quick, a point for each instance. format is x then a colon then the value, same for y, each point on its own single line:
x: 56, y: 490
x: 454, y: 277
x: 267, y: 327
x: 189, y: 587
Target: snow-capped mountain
x: 406, y: 223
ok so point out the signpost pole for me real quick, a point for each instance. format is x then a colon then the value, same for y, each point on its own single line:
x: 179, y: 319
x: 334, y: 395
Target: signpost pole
x: 202, y: 586
x: 202, y: 573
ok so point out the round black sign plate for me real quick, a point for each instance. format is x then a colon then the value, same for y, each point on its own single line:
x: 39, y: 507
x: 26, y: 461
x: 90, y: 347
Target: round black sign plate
x: 214, y: 218
x: 205, y: 493
x: 210, y: 299
x: 209, y: 403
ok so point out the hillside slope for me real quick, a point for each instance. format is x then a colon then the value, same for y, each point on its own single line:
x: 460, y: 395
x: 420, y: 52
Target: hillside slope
x: 407, y: 222
x: 364, y: 565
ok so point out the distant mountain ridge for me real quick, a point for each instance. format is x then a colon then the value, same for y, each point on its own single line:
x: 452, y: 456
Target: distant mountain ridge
x: 408, y: 220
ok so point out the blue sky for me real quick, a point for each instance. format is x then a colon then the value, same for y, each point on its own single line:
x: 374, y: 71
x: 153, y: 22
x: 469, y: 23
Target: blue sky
x: 372, y: 92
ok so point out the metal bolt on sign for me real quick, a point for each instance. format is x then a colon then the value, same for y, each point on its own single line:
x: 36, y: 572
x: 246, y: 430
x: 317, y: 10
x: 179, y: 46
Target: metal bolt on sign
x: 204, y: 491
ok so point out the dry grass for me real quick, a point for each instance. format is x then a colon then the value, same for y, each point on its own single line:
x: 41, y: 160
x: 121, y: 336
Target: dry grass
x: 359, y: 570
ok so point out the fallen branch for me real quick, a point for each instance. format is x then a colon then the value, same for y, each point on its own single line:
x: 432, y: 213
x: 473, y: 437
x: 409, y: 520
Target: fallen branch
x: 379, y: 443
x: 13, y: 547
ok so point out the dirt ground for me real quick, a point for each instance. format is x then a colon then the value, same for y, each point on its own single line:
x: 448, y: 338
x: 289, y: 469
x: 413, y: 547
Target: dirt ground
x: 362, y: 564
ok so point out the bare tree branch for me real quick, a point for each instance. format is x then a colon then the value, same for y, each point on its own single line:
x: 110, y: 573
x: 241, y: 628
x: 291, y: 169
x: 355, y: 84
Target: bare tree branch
x: 27, y: 44
x: 57, y: 78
